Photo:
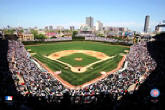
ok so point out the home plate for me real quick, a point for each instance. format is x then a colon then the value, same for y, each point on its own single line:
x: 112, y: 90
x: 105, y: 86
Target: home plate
x: 103, y: 72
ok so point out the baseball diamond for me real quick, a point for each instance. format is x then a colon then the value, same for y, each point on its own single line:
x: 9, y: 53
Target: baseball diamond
x: 79, y: 62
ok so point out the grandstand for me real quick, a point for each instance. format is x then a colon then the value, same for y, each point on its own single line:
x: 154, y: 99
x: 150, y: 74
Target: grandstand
x: 144, y: 61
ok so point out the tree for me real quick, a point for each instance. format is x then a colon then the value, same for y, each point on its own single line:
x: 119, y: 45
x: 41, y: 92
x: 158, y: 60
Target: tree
x: 100, y: 35
x: 74, y: 34
x: 40, y: 36
x: 34, y: 32
x: 21, y: 30
x: 9, y: 31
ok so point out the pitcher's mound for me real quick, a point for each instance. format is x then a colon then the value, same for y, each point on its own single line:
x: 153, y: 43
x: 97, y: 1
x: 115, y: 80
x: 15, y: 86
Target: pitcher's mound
x: 78, y: 59
x: 78, y: 69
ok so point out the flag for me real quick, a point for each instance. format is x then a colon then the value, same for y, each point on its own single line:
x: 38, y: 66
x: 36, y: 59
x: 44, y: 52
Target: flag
x: 9, y: 98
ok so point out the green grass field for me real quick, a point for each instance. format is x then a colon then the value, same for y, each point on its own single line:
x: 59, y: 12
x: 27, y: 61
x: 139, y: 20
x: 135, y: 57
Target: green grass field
x: 92, y: 72
x: 86, y: 59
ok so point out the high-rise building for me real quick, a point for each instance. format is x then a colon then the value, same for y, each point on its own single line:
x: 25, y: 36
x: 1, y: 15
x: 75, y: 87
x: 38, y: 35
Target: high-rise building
x: 46, y: 27
x: 50, y: 27
x: 122, y: 29
x: 72, y: 28
x: 89, y: 21
x: 61, y: 28
x: 99, y: 26
x: 146, y: 25
x: 35, y: 28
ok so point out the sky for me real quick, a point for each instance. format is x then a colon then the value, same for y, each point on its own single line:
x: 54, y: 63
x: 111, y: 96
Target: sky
x: 41, y: 13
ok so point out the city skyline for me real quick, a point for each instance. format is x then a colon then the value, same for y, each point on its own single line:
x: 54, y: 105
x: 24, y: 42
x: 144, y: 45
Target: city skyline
x: 130, y: 14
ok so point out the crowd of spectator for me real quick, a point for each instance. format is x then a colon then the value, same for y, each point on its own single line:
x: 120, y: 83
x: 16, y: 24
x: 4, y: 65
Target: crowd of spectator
x: 59, y: 39
x: 39, y: 83
x: 104, y: 39
x: 85, y: 35
x: 140, y: 64
x: 36, y: 82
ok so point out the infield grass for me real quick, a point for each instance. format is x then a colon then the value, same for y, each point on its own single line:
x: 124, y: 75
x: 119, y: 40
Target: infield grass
x: 85, y: 59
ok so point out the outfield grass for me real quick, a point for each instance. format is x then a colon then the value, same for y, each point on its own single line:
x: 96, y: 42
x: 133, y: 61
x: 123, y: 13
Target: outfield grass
x: 67, y: 74
x: 46, y: 49
x: 86, y: 59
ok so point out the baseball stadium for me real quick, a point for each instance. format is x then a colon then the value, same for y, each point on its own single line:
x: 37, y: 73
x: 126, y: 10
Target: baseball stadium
x: 94, y: 70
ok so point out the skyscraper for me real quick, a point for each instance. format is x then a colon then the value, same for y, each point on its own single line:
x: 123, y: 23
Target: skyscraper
x: 51, y: 28
x: 146, y: 25
x: 89, y: 21
x: 72, y: 28
x: 46, y: 27
x: 61, y: 28
x: 99, y: 26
